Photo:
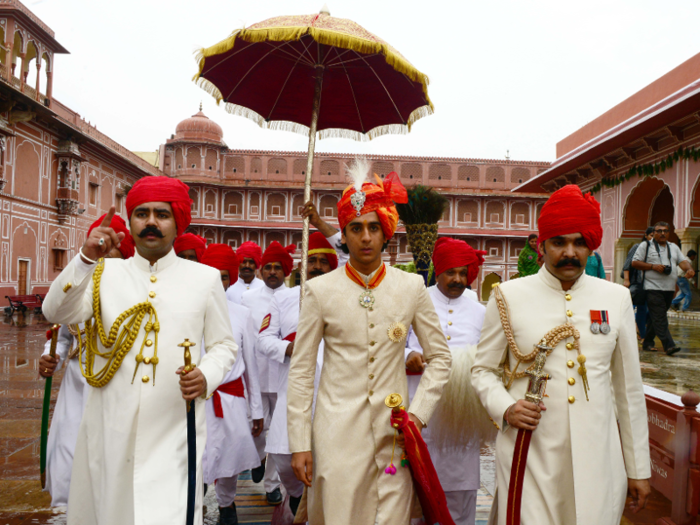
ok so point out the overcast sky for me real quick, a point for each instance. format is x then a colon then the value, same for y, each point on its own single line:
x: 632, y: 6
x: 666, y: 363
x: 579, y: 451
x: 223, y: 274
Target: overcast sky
x: 515, y: 75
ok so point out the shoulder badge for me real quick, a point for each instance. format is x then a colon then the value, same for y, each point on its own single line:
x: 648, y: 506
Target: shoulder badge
x: 265, y: 322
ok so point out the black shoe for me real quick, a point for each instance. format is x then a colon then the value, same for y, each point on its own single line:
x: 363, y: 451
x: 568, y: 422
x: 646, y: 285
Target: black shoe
x: 294, y: 504
x: 275, y: 497
x: 258, y: 473
x: 674, y: 350
x: 228, y: 516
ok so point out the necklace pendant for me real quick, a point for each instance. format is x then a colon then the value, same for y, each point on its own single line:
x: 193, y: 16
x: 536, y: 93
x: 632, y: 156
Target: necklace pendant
x: 366, y: 299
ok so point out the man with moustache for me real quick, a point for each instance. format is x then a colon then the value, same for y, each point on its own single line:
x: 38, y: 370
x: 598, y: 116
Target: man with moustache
x: 72, y: 395
x: 461, y: 318
x: 658, y: 260
x: 190, y: 246
x: 276, y: 264
x: 593, y: 419
x: 361, y: 313
x: 276, y: 342
x: 130, y: 464
x: 250, y: 255
x: 230, y: 446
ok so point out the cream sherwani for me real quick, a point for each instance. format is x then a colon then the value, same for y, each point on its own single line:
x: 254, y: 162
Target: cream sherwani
x: 579, y: 461
x: 66, y: 419
x: 130, y: 465
x: 351, y: 436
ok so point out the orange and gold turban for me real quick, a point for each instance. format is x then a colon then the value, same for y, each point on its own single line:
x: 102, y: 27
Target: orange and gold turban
x: 378, y: 197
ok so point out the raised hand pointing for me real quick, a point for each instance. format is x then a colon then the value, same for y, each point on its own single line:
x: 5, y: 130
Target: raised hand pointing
x: 101, y: 239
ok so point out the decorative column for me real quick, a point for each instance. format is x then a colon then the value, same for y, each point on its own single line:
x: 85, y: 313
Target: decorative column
x: 622, y: 246
x: 22, y: 73
x: 38, y: 78
x: 49, y: 85
x: 8, y: 61
x: 689, y: 239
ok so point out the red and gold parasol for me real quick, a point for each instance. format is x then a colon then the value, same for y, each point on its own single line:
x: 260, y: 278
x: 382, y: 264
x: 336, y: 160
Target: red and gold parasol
x: 315, y: 74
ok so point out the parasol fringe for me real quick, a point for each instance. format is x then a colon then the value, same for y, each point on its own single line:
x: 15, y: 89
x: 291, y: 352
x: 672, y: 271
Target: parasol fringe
x: 294, y: 127
x: 323, y: 36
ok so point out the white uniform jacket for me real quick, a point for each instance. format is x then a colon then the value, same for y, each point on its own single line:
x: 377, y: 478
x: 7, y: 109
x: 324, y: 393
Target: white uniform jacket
x: 362, y: 365
x: 461, y: 320
x: 130, y: 464
x: 579, y: 460
x: 273, y: 342
x: 221, y: 460
x: 66, y: 419
x: 258, y: 302
x: 237, y: 289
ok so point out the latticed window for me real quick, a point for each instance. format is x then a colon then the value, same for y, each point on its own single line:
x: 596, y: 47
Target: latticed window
x: 235, y: 165
x: 276, y: 205
x: 468, y: 173
x: 194, y: 158
x: 519, y: 175
x: 178, y: 159
x: 520, y: 213
x: 234, y: 238
x: 194, y: 195
x: 297, y: 204
x: 328, y: 206
x: 300, y: 167
x: 467, y: 211
x: 233, y: 203
x: 270, y: 237
x: 254, y: 204
x: 382, y: 168
x: 277, y: 166
x: 516, y: 247
x: 330, y: 167
x: 439, y: 172
x: 210, y: 202
x: 256, y: 165
x: 494, y: 248
x: 494, y: 212
x: 210, y: 160
x: 495, y: 174
x: 412, y: 171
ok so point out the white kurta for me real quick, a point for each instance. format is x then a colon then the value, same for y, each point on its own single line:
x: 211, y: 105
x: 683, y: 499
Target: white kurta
x: 284, y: 318
x: 130, y: 465
x: 351, y: 436
x: 221, y: 459
x: 258, y: 302
x: 461, y: 320
x: 579, y: 460
x: 237, y: 289
x: 65, y: 422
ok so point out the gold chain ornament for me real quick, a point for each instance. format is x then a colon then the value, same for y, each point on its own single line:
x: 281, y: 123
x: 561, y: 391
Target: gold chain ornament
x: 551, y: 339
x: 118, y: 343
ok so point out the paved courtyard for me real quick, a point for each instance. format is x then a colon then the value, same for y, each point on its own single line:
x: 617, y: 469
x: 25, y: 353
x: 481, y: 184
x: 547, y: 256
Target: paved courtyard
x: 21, y: 393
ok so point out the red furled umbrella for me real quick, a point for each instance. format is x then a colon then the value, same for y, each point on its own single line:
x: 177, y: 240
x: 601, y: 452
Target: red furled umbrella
x: 315, y: 74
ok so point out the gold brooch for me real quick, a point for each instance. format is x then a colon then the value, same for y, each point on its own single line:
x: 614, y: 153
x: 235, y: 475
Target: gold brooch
x: 397, y: 332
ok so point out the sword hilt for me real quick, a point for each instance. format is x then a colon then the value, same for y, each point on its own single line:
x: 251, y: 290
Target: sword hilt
x: 54, y: 339
x: 188, y: 356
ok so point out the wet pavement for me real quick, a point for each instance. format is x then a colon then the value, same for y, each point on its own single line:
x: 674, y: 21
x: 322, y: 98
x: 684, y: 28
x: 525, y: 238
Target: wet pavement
x: 22, y: 390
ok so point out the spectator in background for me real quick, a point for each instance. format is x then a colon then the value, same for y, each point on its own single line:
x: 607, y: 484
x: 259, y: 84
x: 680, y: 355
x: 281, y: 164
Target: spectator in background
x: 684, y: 295
x: 632, y: 278
x: 594, y: 266
x: 527, y: 260
x: 657, y: 260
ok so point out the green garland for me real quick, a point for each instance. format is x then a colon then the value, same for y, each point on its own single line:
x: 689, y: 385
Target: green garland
x: 652, y: 168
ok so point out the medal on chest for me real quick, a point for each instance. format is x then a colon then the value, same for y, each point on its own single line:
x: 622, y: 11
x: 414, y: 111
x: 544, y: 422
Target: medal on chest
x: 367, y: 299
x: 595, y: 321
x: 605, y: 325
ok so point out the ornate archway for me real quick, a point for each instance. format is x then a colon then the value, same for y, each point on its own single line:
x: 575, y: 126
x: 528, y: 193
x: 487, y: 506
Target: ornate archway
x: 487, y: 284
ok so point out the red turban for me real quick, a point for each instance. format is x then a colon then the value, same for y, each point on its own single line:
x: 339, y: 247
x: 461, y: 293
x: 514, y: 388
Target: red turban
x: 379, y: 197
x: 163, y: 189
x: 222, y: 257
x: 276, y: 253
x: 250, y: 250
x: 126, y: 247
x: 190, y: 241
x: 452, y: 253
x: 319, y: 244
x: 569, y: 211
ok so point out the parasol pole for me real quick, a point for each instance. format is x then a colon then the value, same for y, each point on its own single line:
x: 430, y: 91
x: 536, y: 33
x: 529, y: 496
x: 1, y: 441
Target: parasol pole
x: 309, y: 168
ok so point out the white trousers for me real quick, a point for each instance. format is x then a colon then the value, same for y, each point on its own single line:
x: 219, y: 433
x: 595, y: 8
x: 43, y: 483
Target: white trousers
x: 226, y: 490
x: 462, y: 507
x: 283, y: 463
x: 272, y: 479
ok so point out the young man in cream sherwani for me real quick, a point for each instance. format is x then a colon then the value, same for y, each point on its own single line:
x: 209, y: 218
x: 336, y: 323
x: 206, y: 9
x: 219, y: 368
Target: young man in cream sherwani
x: 362, y: 313
x: 590, y: 441
x: 130, y: 465
x: 461, y: 317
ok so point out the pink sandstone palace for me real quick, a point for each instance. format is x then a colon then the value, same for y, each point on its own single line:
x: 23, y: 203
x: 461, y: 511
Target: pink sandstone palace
x: 59, y: 174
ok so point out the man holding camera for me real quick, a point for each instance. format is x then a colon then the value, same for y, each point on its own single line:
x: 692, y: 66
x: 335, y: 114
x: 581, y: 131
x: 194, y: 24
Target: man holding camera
x: 657, y: 260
